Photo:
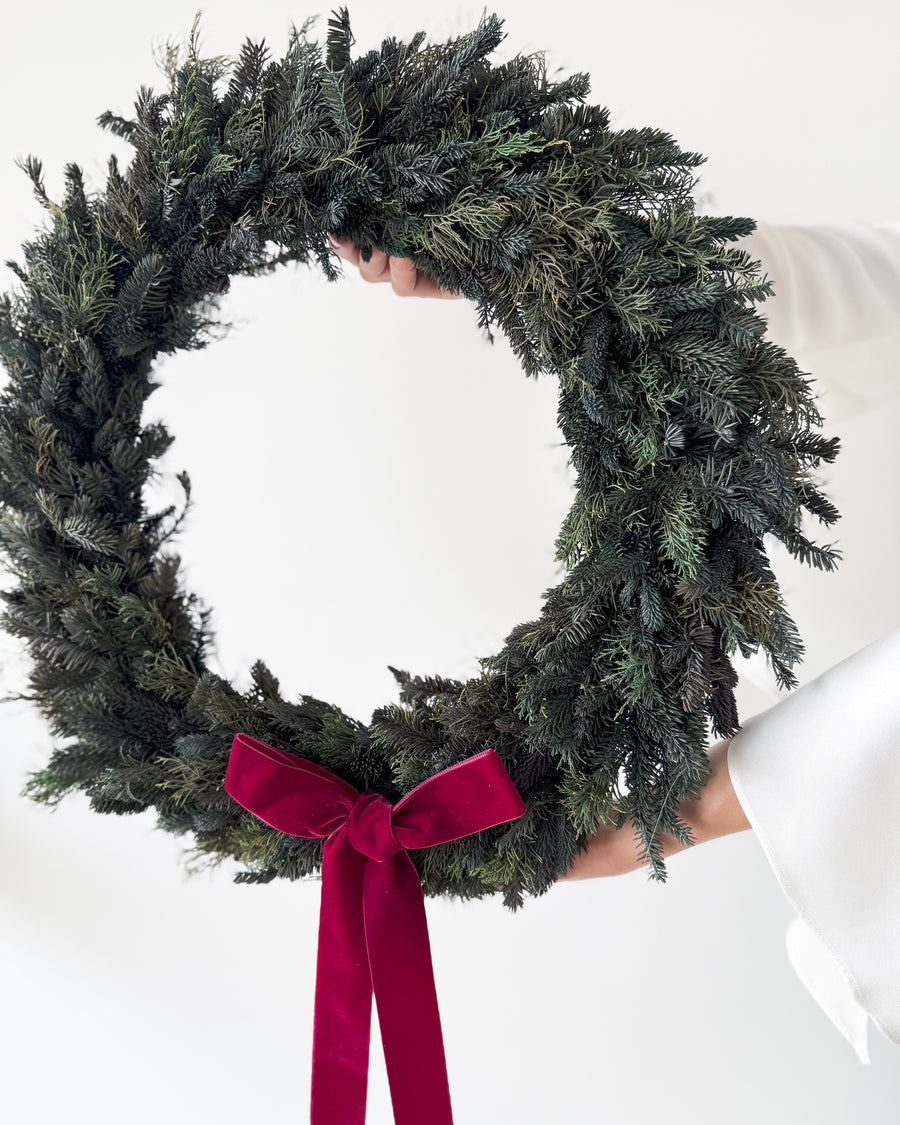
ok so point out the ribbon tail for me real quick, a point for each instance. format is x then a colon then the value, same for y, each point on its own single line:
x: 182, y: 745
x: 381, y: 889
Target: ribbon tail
x: 396, y: 933
x: 343, y: 1003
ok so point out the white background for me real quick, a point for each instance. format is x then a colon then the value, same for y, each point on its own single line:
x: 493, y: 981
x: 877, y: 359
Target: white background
x: 375, y: 484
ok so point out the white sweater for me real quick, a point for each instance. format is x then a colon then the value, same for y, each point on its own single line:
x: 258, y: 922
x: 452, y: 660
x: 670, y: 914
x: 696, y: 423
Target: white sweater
x: 818, y: 772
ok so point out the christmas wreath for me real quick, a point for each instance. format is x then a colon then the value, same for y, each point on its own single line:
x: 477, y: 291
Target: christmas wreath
x: 692, y: 436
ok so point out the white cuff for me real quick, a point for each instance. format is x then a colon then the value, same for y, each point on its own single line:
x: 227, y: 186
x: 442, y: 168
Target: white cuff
x: 818, y: 777
x: 829, y: 983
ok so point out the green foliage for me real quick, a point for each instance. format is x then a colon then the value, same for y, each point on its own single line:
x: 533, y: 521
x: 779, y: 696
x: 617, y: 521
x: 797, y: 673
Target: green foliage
x: 693, y: 437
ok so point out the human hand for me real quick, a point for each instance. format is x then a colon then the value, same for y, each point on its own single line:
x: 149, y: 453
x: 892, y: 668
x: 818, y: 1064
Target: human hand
x: 610, y: 851
x: 405, y: 279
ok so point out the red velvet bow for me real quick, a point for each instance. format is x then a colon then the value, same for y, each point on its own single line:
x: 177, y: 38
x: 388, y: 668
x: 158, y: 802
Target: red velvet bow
x: 373, y: 933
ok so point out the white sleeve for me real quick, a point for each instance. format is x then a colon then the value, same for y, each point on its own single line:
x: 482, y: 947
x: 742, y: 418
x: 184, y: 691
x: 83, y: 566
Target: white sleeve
x: 835, y: 306
x: 818, y: 776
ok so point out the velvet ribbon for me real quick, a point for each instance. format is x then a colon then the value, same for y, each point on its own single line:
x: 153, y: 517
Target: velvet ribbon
x: 373, y: 933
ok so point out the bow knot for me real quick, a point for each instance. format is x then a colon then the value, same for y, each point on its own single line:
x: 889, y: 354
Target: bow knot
x: 368, y: 827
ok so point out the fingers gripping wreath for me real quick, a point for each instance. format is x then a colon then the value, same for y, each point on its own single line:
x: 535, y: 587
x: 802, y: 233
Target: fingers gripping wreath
x: 692, y: 436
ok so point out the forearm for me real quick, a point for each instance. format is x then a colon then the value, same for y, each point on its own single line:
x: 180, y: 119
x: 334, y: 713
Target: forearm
x: 716, y: 812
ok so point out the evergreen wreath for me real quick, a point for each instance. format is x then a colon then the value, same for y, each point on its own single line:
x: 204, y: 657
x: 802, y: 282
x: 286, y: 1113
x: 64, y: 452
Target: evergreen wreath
x: 692, y: 436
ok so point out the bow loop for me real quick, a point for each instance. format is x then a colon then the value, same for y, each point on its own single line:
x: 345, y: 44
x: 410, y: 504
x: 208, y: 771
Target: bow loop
x: 368, y: 827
